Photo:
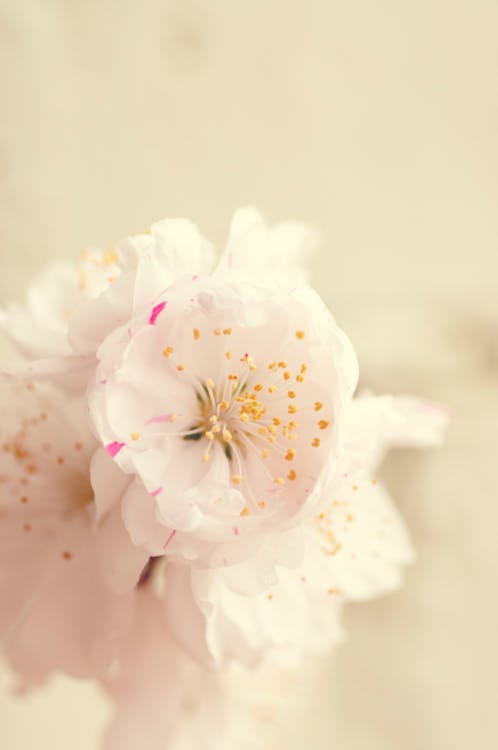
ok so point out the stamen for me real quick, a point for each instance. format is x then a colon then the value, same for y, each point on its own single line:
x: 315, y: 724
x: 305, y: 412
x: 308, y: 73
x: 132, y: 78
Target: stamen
x: 180, y: 367
x: 236, y: 478
x: 196, y: 333
x: 135, y: 435
x: 315, y: 442
x: 168, y: 351
x: 290, y: 455
x: 291, y: 475
x: 299, y: 334
x: 323, y: 424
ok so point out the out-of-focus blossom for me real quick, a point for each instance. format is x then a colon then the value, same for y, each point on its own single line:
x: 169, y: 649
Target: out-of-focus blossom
x: 59, y: 605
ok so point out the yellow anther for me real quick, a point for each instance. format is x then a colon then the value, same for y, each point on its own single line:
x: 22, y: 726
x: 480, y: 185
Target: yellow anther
x: 228, y: 355
x: 209, y: 435
x: 272, y: 429
x: 173, y: 417
x: 227, y: 331
x: 245, y: 511
x: 287, y: 375
x: 276, y: 421
x: 279, y: 480
x: 290, y: 455
x: 292, y: 424
x: 135, y: 435
x: 315, y: 442
x: 272, y: 388
x: 282, y: 364
x: 227, y: 435
x: 169, y: 350
x: 304, y: 367
x: 261, y: 430
x: 236, y: 478
x: 300, y: 378
x: 252, y: 367
x: 291, y: 394
x: 213, y: 419
x: 262, y: 504
x: 291, y: 409
x: 258, y: 387
x: 323, y: 424
x: 180, y: 367
x: 232, y: 376
x: 273, y: 366
x: 299, y: 334
x: 293, y: 436
x: 291, y: 475
x: 196, y: 333
x: 205, y: 458
x: 318, y: 405
x: 271, y: 438
x: 110, y: 257
x: 244, y: 417
x: 210, y: 383
x: 264, y: 453
x: 224, y: 405
x: 217, y: 332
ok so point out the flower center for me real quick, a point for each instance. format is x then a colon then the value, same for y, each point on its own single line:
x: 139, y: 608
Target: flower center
x: 254, y: 410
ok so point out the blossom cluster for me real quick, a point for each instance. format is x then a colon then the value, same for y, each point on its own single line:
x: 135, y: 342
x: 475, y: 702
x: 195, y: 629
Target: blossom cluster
x: 188, y: 481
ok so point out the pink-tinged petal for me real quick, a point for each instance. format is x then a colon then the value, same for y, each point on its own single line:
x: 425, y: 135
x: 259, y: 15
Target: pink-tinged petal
x: 161, y: 418
x: 156, y: 311
x: 108, y: 481
x: 121, y: 561
x: 114, y: 448
x: 168, y: 540
x: 75, y: 622
x: 163, y: 699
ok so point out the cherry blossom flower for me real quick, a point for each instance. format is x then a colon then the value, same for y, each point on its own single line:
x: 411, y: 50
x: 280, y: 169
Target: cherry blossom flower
x: 60, y: 607
x: 229, y: 492
x: 225, y: 400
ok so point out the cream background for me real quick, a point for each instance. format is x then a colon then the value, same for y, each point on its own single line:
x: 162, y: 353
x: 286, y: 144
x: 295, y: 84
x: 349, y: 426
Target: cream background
x: 377, y: 122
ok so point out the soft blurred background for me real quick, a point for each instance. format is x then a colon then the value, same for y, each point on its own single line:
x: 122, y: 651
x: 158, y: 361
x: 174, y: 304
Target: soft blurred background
x: 378, y: 122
